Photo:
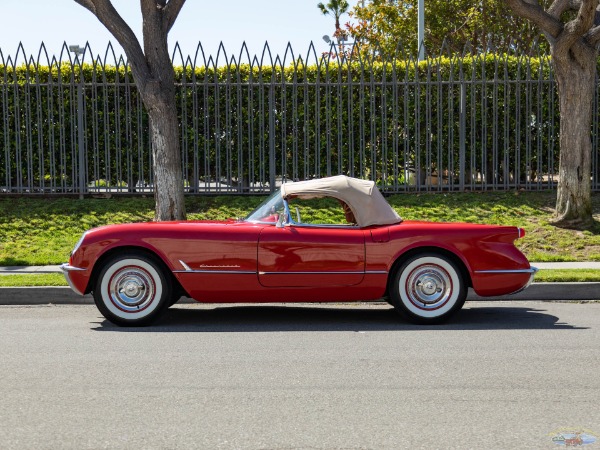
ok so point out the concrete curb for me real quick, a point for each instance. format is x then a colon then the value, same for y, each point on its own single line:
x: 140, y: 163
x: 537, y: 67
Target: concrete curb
x: 42, y: 295
x: 550, y: 291
x: 65, y: 296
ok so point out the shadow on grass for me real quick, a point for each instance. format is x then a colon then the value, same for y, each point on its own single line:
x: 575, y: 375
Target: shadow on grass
x: 593, y: 228
x: 260, y: 319
x: 8, y: 261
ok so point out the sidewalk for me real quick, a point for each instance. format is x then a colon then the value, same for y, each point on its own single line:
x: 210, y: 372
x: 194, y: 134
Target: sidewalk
x: 64, y: 295
x: 24, y: 270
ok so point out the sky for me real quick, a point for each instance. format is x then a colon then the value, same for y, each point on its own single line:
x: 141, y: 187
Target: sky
x: 209, y: 22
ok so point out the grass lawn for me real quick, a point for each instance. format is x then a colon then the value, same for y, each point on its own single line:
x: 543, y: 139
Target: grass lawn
x: 40, y: 279
x: 36, y: 231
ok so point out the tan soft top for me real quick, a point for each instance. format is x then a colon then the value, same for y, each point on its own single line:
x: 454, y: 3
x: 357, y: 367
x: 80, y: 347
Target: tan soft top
x: 362, y: 196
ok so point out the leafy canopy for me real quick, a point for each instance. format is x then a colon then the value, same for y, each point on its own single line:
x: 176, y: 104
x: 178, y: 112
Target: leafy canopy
x: 389, y: 27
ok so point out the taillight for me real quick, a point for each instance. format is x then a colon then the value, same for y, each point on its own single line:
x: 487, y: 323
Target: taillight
x: 521, y: 233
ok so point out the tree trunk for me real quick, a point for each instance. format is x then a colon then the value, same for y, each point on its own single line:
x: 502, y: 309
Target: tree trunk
x: 155, y: 79
x: 576, y: 85
x: 168, y: 178
x: 158, y: 95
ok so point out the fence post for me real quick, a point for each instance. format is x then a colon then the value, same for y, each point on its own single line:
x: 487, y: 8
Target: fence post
x: 78, y: 51
x: 80, y: 136
x: 462, y: 135
x: 272, y: 112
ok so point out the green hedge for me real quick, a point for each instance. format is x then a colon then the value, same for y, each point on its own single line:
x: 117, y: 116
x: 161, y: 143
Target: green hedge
x: 246, y: 124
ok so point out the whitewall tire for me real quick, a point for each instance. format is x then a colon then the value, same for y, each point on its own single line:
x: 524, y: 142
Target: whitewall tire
x: 428, y: 288
x: 132, y: 290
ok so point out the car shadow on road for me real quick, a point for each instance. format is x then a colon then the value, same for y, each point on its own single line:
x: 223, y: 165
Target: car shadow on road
x: 263, y: 318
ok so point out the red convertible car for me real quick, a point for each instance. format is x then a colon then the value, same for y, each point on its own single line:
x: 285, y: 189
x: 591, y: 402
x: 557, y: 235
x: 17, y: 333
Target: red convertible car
x: 281, y: 253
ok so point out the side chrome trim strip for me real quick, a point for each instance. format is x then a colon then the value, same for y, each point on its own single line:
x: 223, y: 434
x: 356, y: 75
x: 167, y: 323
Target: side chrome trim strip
x: 531, y: 270
x: 246, y: 272
x: 370, y: 272
x: 188, y: 269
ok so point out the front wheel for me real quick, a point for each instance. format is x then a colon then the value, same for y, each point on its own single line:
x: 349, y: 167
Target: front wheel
x: 132, y: 290
x: 428, y: 289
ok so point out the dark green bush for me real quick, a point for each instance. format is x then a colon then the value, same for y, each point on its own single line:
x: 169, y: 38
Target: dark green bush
x: 476, y: 120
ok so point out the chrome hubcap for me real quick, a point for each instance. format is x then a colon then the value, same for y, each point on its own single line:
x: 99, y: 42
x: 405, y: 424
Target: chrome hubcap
x: 429, y: 286
x: 131, y: 289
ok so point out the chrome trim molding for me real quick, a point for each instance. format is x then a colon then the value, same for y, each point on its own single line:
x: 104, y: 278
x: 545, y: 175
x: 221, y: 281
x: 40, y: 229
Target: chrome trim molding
x: 532, y: 270
x: 188, y: 269
x: 203, y: 268
x: 224, y: 266
x: 246, y: 272
x: 185, y: 266
x: 370, y: 272
x: 325, y: 225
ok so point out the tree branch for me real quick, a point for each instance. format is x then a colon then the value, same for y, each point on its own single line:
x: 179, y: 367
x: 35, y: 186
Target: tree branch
x: 87, y: 4
x: 534, y: 12
x: 576, y: 28
x: 593, y: 36
x: 584, y: 20
x: 110, y: 18
x: 558, y: 7
x: 171, y: 11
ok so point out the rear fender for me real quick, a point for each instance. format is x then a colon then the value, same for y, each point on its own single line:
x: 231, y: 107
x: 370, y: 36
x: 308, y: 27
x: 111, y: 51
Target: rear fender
x: 450, y: 253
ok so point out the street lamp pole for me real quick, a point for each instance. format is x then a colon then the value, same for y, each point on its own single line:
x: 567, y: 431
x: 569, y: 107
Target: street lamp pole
x: 421, y: 29
x: 341, y: 43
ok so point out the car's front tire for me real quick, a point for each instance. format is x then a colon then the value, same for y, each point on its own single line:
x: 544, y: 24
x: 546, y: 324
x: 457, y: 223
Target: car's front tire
x: 428, y: 288
x: 132, y: 290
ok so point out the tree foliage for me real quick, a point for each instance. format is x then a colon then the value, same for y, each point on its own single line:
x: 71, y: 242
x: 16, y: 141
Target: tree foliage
x: 336, y: 8
x: 389, y: 27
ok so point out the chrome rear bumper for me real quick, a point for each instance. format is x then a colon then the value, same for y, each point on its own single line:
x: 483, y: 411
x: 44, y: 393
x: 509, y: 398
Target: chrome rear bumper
x: 532, y: 271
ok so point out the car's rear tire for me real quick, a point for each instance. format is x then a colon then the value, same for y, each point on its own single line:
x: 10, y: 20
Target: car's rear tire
x: 428, y: 288
x: 132, y: 290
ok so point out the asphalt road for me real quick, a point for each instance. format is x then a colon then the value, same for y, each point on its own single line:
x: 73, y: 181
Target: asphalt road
x: 501, y: 375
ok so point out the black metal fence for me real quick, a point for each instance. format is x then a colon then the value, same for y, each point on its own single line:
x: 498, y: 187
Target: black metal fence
x: 479, y: 122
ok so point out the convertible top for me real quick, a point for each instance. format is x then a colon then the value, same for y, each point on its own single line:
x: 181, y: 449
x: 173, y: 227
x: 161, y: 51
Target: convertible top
x: 362, y: 196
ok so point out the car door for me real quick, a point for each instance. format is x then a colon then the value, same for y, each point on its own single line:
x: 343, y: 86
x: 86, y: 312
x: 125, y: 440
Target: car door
x: 311, y: 256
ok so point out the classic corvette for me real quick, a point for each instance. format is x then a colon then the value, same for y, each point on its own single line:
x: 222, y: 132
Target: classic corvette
x: 136, y: 271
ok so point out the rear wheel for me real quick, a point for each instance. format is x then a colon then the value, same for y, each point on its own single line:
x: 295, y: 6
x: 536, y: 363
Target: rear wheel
x: 132, y: 290
x: 428, y: 289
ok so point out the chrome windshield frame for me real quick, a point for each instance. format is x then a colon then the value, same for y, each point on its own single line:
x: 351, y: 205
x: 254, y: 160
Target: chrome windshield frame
x: 288, y: 219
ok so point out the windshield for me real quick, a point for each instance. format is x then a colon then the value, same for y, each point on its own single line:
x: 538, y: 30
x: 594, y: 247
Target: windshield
x: 269, y: 210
